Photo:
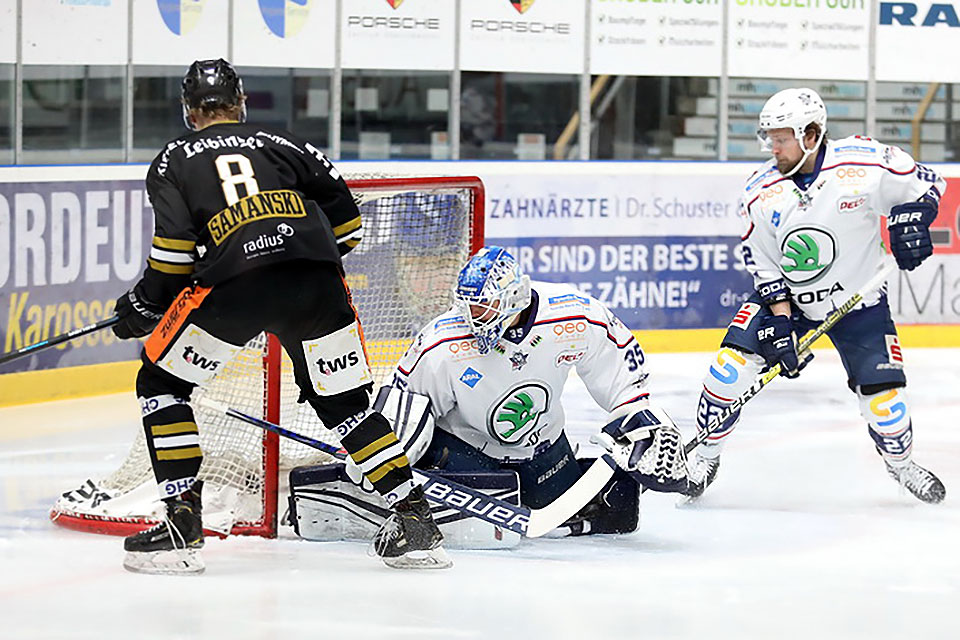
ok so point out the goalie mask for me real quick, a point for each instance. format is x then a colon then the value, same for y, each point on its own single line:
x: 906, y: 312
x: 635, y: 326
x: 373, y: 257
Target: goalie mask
x: 793, y: 109
x: 211, y: 83
x: 491, y: 289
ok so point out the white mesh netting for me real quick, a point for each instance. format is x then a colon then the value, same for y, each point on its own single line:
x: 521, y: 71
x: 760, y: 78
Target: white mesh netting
x: 417, y: 233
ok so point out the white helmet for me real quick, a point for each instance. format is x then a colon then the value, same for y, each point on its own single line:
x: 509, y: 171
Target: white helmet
x: 491, y: 280
x: 793, y: 109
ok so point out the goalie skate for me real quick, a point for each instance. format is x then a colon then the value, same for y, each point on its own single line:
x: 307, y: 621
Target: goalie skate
x: 918, y: 481
x: 172, y: 546
x: 409, y: 538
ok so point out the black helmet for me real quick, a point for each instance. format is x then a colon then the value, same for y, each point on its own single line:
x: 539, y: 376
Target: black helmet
x: 210, y: 83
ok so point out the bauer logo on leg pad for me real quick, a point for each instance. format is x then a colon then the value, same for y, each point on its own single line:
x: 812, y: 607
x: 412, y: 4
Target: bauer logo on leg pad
x: 197, y: 356
x: 337, y: 362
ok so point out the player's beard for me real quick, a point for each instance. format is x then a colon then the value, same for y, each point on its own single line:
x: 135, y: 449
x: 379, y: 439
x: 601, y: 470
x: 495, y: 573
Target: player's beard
x: 784, y: 166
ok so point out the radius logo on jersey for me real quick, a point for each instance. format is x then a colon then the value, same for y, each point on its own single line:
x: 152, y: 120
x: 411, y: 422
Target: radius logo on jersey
x: 284, y: 18
x: 807, y: 253
x: 266, y: 244
x: 180, y: 16
x: 471, y: 377
x: 516, y: 414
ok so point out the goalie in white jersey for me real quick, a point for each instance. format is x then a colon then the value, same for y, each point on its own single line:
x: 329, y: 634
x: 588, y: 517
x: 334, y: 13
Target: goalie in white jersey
x: 812, y: 239
x: 494, y: 368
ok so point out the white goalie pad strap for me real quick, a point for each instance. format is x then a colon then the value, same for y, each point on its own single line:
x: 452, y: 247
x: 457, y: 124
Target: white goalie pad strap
x: 337, y: 362
x: 410, y: 415
x: 197, y: 356
x: 326, y: 506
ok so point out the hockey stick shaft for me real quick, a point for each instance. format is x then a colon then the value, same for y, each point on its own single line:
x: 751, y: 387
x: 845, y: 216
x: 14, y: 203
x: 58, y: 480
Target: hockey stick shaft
x: 63, y: 337
x: 531, y: 523
x: 765, y: 378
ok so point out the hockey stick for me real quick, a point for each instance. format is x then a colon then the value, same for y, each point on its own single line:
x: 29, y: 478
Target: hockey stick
x: 531, y: 523
x: 63, y: 337
x: 874, y: 283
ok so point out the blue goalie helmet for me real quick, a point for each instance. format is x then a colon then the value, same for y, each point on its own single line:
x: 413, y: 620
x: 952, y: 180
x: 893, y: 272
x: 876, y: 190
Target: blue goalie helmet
x: 491, y: 289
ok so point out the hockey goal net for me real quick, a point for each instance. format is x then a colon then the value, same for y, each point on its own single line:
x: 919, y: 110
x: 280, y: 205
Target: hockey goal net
x: 417, y: 234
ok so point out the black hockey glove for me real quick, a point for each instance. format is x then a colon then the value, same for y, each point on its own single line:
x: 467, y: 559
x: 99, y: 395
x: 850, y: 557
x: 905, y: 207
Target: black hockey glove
x: 138, y: 316
x: 909, y: 226
x: 778, y: 345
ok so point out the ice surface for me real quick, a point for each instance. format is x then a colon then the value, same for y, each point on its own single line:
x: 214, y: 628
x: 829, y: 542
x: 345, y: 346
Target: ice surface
x: 803, y: 535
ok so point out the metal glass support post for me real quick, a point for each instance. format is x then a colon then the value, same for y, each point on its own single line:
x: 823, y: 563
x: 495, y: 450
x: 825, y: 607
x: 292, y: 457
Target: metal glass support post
x: 127, y: 106
x: 453, y: 118
x: 336, y: 86
x: 586, y: 118
x: 18, y: 90
x: 723, y: 87
x: 871, y: 106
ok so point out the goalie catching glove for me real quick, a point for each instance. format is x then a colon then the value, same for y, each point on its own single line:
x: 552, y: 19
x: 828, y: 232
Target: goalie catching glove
x: 647, y: 445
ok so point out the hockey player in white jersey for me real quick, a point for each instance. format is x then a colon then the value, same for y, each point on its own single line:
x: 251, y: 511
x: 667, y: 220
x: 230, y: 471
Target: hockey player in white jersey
x: 812, y: 238
x: 494, y: 368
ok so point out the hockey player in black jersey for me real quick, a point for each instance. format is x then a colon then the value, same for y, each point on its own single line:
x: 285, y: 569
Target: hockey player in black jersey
x: 250, y: 226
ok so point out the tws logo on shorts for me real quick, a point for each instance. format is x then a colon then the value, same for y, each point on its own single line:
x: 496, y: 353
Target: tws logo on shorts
x: 808, y: 253
x: 339, y: 363
x: 517, y: 413
x: 190, y: 356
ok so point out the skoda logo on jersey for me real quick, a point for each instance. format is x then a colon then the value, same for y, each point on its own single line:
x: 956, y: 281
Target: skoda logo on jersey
x: 471, y: 377
x: 284, y: 18
x: 807, y: 254
x: 180, y: 16
x: 518, y: 412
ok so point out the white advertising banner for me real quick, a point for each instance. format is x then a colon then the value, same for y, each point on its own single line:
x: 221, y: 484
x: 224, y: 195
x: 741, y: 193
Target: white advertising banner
x: 915, y: 39
x: 8, y: 31
x: 398, y: 34
x: 284, y: 33
x: 643, y: 38
x: 531, y: 36
x: 74, y: 32
x: 825, y: 39
x: 177, y: 32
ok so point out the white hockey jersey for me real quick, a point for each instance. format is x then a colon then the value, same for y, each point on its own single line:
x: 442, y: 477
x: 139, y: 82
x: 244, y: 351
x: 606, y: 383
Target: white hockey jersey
x: 507, y: 403
x: 825, y: 241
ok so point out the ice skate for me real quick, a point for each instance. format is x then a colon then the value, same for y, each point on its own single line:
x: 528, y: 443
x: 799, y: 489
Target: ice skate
x: 409, y: 539
x: 172, y: 546
x: 918, y: 481
x: 703, y: 471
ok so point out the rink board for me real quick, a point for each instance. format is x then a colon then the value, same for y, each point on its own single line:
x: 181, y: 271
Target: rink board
x: 656, y: 242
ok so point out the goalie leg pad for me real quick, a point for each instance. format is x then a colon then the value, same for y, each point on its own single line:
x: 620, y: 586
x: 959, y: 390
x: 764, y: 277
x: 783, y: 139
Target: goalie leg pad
x: 411, y: 416
x: 616, y: 509
x: 326, y: 506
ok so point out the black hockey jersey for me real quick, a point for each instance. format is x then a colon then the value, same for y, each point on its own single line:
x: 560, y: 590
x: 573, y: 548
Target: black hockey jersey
x: 234, y: 197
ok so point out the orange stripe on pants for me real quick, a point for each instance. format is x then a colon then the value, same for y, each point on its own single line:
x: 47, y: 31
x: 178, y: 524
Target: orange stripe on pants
x: 188, y: 300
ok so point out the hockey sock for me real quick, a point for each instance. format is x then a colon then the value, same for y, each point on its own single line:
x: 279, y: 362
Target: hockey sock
x: 374, y: 447
x: 731, y: 373
x: 173, y: 441
x: 887, y: 414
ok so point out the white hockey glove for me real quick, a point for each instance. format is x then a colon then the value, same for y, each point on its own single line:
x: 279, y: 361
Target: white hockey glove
x: 648, y: 446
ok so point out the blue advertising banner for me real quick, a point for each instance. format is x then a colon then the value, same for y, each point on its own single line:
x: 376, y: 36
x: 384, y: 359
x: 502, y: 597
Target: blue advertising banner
x: 67, y: 251
x: 664, y: 282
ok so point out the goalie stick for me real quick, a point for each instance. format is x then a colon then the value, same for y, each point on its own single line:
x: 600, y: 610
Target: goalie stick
x: 531, y: 523
x: 765, y: 378
x: 63, y: 337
